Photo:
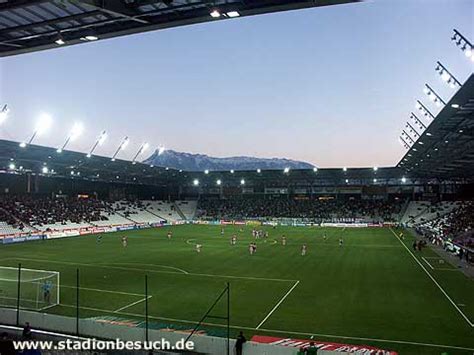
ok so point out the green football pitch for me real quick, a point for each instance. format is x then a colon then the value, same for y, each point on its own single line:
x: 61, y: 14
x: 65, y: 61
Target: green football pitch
x: 374, y: 290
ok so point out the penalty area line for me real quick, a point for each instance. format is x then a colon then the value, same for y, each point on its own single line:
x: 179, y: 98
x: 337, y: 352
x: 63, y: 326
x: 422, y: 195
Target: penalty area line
x: 277, y: 305
x: 132, y: 304
x: 435, y: 282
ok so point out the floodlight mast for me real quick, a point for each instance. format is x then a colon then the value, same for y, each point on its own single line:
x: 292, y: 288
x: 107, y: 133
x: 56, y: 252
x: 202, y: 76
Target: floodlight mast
x: 42, y: 125
x: 446, y: 74
x: 4, y: 113
x: 122, y: 146
x: 143, y: 147
x: 423, y: 107
x: 417, y: 120
x: 413, y: 129
x: 406, y: 145
x: 437, y: 98
x: 75, y: 132
x: 100, y: 140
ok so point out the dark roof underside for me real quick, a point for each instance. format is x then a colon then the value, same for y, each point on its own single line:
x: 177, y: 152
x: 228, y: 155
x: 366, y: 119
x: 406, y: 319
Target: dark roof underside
x: 32, y: 25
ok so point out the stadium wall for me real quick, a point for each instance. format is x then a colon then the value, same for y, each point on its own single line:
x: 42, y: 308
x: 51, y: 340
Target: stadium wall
x: 127, y: 330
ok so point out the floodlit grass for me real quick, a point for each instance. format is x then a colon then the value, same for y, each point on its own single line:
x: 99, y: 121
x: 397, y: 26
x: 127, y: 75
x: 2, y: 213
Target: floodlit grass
x: 370, y: 288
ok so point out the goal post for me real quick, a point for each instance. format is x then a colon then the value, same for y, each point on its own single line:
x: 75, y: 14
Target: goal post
x: 30, y: 288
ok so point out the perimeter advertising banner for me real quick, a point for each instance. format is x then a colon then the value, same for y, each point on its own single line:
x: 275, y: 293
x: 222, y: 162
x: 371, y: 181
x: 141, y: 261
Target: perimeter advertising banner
x: 321, y: 345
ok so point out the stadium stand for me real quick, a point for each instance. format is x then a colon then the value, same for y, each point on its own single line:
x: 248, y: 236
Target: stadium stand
x: 187, y: 209
x: 315, y: 210
x: 164, y: 209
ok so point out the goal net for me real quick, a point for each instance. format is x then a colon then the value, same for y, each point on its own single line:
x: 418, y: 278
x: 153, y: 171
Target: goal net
x: 31, y: 289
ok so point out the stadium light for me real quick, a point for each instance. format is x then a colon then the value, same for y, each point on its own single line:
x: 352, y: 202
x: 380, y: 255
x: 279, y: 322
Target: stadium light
x: 161, y: 150
x: 315, y: 170
x: 206, y: 171
x: 215, y: 14
x: 412, y: 129
x: 44, y: 170
x: 424, y: 110
x: 259, y: 171
x: 375, y: 180
x: 347, y: 181
x: 219, y: 182
x: 286, y: 170
x: 59, y: 40
x: 232, y: 171
x: 12, y: 166
x: 420, y: 124
x: 75, y: 132
x: 195, y: 182
x: 100, y: 140
x: 122, y: 146
x: 404, y: 179
x: 242, y: 182
x: 455, y: 105
x: 42, y: 125
x: 375, y: 168
x: 4, y: 114
x: 433, y: 96
x: 142, y: 149
x: 465, y: 45
x: 233, y: 14
x: 344, y: 169
x: 446, y: 75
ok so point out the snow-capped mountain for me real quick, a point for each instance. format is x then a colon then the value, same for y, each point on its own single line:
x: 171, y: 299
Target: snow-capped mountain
x: 200, y: 162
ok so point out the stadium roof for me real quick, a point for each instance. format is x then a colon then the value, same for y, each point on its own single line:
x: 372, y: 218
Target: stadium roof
x: 446, y: 148
x: 32, y: 25
x: 32, y: 159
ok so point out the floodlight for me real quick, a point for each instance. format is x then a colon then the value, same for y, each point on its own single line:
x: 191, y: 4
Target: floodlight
x: 242, y: 182
x: 465, y: 45
x: 72, y: 172
x: 22, y: 145
x: 122, y: 146
x: 455, y: 105
x: 344, y: 169
x: 4, y: 114
x: 100, y: 140
x: 219, y: 182
x: 259, y: 171
x: 43, y: 124
x: 375, y: 168
x: 59, y: 40
x: 286, y: 170
x: 315, y: 170
x: 232, y: 171
x: 76, y: 130
x: 91, y: 38
x: 102, y: 137
x: 45, y: 169
x: 59, y: 150
x: 11, y: 166
x: 233, y: 14
x: 375, y: 180
x: 161, y: 150
x: 142, y: 148
x: 195, y: 182
x: 215, y: 14
x: 206, y: 171
x: 404, y: 180
x: 347, y: 181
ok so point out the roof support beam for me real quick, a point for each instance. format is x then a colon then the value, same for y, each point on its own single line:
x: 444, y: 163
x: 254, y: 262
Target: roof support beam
x: 115, y: 8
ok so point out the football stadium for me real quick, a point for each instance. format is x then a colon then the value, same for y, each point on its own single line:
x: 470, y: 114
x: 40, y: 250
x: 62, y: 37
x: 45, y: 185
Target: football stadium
x: 99, y: 242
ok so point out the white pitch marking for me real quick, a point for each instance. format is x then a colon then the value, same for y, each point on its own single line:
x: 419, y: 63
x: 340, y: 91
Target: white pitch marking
x: 435, y: 282
x: 426, y: 261
x: 277, y: 305
x: 132, y: 304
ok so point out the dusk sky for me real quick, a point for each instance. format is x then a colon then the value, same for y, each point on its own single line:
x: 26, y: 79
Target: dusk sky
x: 332, y: 86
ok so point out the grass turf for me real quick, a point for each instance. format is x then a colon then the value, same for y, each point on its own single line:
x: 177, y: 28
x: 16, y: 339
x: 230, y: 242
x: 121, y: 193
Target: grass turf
x: 371, y: 290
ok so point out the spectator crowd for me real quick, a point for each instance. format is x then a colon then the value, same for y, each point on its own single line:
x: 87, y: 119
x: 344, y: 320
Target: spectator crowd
x: 310, y: 209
